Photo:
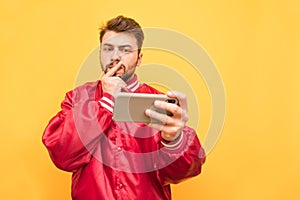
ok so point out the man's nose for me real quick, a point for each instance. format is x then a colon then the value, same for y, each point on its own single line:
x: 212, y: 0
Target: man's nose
x: 116, y: 55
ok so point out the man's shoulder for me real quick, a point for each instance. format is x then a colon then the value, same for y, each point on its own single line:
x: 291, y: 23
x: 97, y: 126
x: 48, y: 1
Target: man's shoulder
x: 145, y: 88
x: 85, y: 90
x: 85, y: 86
x: 88, y: 86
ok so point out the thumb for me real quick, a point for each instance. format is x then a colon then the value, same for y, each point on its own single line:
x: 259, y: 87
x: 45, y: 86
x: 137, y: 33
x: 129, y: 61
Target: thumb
x: 125, y: 89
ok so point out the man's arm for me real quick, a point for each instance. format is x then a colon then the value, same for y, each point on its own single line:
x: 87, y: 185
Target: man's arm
x: 186, y: 157
x: 76, y: 130
x: 180, y: 144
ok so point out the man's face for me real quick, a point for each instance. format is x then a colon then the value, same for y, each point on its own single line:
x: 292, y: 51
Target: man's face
x: 120, y: 47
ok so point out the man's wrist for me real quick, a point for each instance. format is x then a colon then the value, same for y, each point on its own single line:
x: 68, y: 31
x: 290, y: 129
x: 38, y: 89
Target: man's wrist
x: 173, y: 139
x: 174, y: 143
x: 107, y: 101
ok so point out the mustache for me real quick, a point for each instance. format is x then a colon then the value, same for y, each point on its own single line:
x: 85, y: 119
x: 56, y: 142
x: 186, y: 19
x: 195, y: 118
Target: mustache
x: 112, y: 64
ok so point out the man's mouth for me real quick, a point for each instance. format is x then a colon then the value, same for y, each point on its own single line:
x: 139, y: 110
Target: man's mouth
x: 112, y: 64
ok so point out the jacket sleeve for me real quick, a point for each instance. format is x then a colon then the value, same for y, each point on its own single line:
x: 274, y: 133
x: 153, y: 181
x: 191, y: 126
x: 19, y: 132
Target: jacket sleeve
x: 183, y: 158
x: 73, y: 134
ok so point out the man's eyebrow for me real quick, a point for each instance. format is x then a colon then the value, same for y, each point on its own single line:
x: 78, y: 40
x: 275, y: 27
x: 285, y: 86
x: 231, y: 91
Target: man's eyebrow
x: 107, y: 44
x: 122, y: 46
x: 125, y: 45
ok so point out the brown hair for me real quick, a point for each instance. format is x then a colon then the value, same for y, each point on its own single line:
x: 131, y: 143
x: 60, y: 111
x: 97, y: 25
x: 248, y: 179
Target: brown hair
x: 122, y: 24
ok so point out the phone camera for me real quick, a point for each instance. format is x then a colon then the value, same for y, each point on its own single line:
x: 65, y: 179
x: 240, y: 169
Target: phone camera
x: 171, y: 100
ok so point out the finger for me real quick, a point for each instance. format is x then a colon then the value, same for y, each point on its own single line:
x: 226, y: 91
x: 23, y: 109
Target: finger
x: 114, y: 69
x: 168, y: 132
x: 156, y: 126
x: 171, y: 107
x: 125, y: 89
x: 118, y: 80
x: 159, y: 117
x: 181, y: 98
x: 115, y: 82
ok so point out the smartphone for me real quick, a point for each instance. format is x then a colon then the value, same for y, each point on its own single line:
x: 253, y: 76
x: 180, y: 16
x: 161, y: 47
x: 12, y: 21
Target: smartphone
x: 131, y: 107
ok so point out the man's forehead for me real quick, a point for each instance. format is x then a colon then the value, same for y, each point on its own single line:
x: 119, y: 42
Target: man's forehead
x: 121, y: 38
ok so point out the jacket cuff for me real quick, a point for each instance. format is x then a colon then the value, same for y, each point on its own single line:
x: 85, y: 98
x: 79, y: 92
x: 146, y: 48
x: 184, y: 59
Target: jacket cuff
x: 107, y: 102
x: 175, y: 144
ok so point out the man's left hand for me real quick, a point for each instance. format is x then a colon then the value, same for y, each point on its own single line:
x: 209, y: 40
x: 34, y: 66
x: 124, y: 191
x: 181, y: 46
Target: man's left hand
x: 170, y: 126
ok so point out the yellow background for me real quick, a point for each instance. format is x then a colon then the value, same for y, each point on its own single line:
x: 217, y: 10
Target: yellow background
x: 255, y: 45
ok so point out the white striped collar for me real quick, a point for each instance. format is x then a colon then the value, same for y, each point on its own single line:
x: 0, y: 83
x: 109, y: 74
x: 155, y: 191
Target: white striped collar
x: 133, y: 84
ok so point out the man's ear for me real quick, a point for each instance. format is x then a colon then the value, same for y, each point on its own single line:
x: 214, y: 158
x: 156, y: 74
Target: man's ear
x: 139, y: 60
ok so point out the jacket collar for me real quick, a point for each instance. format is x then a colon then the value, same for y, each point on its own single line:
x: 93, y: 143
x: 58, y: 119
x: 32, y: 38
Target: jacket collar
x: 133, y: 84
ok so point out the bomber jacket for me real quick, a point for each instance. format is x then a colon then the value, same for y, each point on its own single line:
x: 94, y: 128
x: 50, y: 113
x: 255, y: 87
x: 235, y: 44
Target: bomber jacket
x: 117, y: 160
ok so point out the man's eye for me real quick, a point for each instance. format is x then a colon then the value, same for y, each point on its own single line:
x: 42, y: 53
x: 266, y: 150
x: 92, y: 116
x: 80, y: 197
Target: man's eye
x: 125, y: 50
x: 108, y: 49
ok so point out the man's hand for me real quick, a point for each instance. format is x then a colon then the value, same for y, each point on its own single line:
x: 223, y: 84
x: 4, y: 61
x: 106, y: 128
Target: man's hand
x: 113, y: 84
x: 170, y: 126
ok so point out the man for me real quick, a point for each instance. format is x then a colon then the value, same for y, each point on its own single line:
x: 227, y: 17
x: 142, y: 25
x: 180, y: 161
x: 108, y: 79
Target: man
x: 114, y: 160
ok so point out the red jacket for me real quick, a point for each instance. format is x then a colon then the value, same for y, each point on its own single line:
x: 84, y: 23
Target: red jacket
x: 111, y: 160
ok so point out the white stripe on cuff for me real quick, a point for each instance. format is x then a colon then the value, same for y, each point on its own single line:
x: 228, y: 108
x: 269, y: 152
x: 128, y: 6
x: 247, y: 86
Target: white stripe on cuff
x: 108, y: 101
x: 176, y: 144
x: 104, y: 105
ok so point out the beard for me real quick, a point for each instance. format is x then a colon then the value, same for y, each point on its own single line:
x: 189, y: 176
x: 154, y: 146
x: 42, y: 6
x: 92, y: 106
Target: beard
x: 127, y: 75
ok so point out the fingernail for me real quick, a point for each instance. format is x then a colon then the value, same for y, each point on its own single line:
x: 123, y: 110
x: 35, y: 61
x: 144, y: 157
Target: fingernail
x: 169, y: 93
x: 147, y: 111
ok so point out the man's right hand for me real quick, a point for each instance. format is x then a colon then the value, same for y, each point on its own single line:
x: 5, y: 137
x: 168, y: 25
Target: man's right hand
x: 113, y: 84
